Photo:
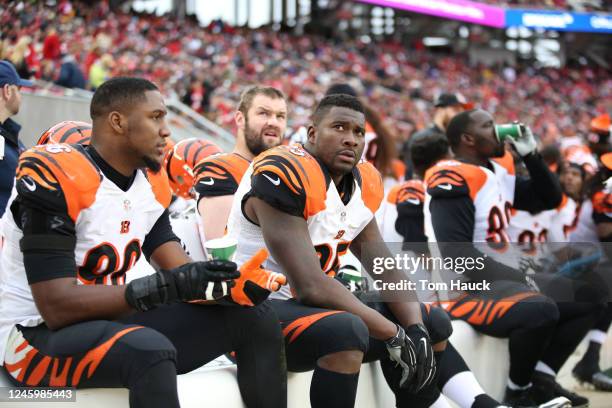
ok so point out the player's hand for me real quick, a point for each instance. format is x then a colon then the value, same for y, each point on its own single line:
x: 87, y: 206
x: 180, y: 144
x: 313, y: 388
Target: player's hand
x: 530, y: 266
x: 426, y: 362
x: 255, y: 283
x: 526, y: 144
x: 412, y: 351
x: 403, y: 352
x: 532, y: 283
x: 210, y: 280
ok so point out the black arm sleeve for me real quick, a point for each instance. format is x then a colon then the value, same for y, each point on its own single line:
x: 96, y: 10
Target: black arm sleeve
x: 159, y: 234
x: 541, y: 191
x: 453, y: 224
x: 410, y: 222
x: 48, y: 243
x: 210, y: 187
x: 51, y: 264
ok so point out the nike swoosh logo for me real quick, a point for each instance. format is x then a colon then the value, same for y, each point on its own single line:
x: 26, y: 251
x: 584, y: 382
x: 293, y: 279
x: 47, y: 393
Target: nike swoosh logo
x: 56, y: 222
x: 414, y: 201
x: 210, y: 182
x: 30, y: 185
x: 424, y: 345
x: 445, y: 186
x: 273, y: 181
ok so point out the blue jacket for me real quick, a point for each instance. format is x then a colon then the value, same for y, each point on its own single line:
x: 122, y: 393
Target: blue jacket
x: 9, y: 130
x: 71, y: 76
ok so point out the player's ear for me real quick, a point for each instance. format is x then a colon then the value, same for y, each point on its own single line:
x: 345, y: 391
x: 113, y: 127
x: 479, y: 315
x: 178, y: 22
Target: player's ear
x: 468, y: 139
x: 311, y: 134
x: 240, y: 120
x: 117, y: 122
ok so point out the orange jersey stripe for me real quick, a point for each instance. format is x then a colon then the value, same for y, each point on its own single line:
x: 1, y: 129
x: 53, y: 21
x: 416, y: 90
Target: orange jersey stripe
x: 303, y: 323
x: 221, y: 166
x: 409, y: 190
x: 457, y: 174
x: 299, y: 171
x: 66, y: 168
x: 94, y: 357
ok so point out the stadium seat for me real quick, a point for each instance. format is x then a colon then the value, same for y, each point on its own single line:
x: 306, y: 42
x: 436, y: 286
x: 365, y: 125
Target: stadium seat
x: 215, y: 385
x: 484, y: 355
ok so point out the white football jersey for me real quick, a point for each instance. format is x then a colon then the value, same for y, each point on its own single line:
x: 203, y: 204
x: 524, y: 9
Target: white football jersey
x: 530, y: 232
x: 410, y: 192
x: 585, y: 228
x: 187, y: 226
x: 492, y: 193
x: 591, y: 212
x: 527, y: 228
x: 563, y: 221
x: 110, y: 224
x: 387, y: 215
x: 534, y: 231
x: 292, y: 180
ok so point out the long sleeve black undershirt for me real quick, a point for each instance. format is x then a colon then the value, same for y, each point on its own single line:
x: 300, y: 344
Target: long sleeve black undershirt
x: 453, y: 218
x: 540, y: 191
x: 453, y: 223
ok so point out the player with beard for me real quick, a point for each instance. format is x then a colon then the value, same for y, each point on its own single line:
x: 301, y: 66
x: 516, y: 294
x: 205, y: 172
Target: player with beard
x: 80, y: 218
x: 261, y: 121
x: 308, y: 205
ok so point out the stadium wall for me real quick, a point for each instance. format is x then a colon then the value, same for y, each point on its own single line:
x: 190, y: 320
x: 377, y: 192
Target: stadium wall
x: 40, y: 110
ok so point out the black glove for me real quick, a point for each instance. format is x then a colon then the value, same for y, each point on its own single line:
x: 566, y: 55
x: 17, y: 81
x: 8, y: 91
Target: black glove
x: 426, y: 362
x: 411, y: 349
x: 403, y: 353
x: 209, y: 280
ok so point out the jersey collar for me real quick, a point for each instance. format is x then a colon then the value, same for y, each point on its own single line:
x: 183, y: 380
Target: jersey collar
x: 121, y: 181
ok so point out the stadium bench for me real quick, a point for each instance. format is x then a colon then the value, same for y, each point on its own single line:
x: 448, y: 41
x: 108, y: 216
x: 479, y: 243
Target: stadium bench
x: 217, y: 386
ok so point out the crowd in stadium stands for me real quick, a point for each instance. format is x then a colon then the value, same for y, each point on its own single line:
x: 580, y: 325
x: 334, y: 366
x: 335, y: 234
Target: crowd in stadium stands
x: 81, y: 46
x: 576, y: 5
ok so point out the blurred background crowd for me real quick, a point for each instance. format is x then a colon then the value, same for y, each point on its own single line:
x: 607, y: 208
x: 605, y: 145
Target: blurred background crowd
x: 79, y: 45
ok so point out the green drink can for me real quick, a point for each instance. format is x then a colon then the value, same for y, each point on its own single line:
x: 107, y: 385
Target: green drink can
x: 351, y: 278
x: 508, y: 130
x: 223, y: 248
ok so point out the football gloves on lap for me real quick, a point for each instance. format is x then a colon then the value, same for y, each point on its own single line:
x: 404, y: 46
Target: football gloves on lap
x: 411, y: 350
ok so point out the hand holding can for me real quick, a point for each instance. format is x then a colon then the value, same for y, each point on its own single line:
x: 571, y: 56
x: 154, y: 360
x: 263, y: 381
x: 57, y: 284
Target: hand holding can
x: 509, y: 130
x: 518, y: 135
